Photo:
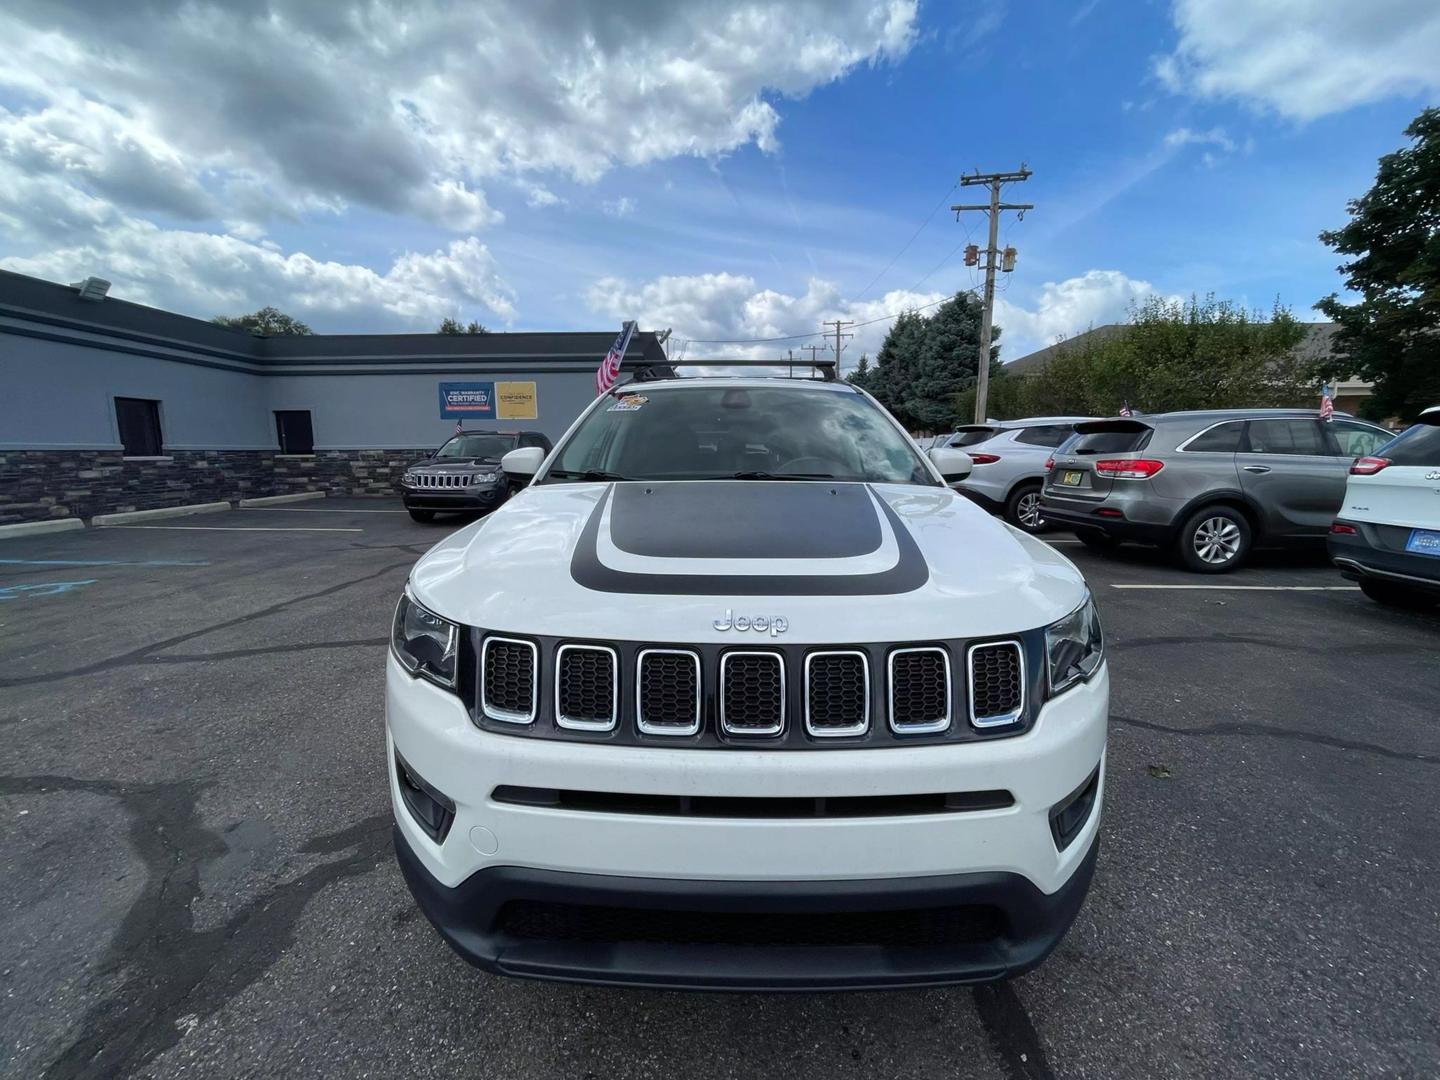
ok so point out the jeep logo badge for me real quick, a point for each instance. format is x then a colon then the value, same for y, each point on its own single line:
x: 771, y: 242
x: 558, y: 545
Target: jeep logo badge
x: 774, y: 625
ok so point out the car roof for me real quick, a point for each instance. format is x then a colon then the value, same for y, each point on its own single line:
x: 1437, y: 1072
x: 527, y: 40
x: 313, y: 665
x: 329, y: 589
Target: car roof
x: 702, y: 381
x: 1192, y: 415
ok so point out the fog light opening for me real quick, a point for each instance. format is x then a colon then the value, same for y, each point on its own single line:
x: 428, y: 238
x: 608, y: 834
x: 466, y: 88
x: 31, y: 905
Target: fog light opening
x: 1068, y: 816
x: 433, y: 811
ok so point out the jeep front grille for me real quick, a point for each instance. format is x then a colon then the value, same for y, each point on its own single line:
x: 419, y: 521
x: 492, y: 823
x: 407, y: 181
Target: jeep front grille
x: 587, y: 691
x: 443, y: 480
x: 752, y: 693
x: 919, y: 690
x: 667, y: 692
x: 837, y: 693
x: 508, y: 682
x: 997, y: 683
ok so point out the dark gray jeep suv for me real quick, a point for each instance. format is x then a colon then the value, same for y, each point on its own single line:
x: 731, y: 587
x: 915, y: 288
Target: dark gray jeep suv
x: 464, y: 475
x: 1210, y: 485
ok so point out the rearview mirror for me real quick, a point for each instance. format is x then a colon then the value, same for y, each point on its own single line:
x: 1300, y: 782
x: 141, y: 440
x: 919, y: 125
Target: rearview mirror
x: 954, y: 465
x: 523, y: 463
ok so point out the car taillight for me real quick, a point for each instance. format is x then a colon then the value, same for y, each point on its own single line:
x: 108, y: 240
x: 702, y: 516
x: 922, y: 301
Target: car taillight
x: 984, y: 459
x: 1342, y: 529
x: 1368, y: 466
x: 1126, y: 469
x: 1049, y: 463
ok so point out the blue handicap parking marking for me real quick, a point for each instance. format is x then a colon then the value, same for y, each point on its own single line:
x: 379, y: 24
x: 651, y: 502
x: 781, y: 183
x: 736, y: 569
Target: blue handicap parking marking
x: 41, y: 588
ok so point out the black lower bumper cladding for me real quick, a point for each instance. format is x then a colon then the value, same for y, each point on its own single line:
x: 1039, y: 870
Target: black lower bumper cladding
x: 744, y: 935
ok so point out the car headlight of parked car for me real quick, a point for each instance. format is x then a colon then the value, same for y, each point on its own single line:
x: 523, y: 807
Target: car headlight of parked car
x: 408, y: 478
x: 424, y: 643
x: 1074, y: 647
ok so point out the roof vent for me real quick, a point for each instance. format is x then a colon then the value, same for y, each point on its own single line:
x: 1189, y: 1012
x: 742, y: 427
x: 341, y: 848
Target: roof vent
x: 92, y: 288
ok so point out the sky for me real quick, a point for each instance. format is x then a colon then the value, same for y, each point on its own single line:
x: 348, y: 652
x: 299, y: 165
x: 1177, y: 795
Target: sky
x: 731, y: 171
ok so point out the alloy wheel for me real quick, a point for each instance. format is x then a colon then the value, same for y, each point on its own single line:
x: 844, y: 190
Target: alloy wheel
x: 1027, y: 509
x: 1216, y: 540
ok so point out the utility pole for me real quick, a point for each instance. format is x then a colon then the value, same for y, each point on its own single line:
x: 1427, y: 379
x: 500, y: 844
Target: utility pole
x: 839, y: 326
x: 994, y: 181
x: 791, y: 353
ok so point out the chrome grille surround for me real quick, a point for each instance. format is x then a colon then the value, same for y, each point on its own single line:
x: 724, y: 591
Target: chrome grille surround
x: 504, y: 715
x: 729, y: 723
x: 982, y: 668
x: 564, y: 685
x: 823, y: 731
x: 658, y: 727
x: 929, y: 725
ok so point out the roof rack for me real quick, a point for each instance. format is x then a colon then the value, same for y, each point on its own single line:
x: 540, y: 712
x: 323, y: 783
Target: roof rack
x: 647, y: 371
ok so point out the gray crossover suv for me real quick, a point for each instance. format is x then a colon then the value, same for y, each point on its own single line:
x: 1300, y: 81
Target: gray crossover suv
x: 1209, y: 484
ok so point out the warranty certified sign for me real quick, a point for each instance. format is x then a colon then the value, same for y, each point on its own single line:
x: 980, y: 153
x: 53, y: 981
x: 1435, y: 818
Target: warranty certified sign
x: 488, y: 401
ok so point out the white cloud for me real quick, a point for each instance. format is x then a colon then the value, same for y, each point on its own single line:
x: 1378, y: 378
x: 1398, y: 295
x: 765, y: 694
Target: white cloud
x: 705, y: 307
x: 618, y: 208
x: 1214, y: 137
x: 1304, y: 58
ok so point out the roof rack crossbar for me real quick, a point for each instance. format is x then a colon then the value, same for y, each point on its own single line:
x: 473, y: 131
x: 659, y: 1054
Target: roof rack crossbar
x: 645, y: 370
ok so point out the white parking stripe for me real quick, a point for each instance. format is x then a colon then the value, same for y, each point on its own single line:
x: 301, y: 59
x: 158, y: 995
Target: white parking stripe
x: 228, y: 528
x: 1250, y: 588
x: 318, y: 510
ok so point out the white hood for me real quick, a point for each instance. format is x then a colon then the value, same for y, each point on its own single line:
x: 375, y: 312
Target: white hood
x: 839, y: 563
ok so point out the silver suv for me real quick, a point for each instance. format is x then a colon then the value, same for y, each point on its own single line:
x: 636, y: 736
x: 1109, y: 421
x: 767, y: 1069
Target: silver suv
x: 1209, y: 484
x: 1010, y: 458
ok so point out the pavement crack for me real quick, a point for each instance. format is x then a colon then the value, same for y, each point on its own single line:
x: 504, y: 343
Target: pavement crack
x: 164, y: 969
x: 1011, y: 1033
x: 145, y: 653
x: 1266, y: 731
x: 1367, y: 648
x: 241, y: 654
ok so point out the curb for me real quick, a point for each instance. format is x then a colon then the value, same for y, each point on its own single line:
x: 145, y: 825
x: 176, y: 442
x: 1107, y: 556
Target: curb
x: 158, y: 512
x: 276, y: 500
x: 33, y: 528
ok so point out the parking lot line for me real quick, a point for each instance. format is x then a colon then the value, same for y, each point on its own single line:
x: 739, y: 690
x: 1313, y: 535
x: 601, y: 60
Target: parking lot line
x: 1250, y: 588
x: 233, y: 528
x: 100, y: 562
x: 318, y: 510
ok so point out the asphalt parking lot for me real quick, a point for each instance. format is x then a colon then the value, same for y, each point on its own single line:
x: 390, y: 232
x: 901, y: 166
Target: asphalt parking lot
x: 197, y: 875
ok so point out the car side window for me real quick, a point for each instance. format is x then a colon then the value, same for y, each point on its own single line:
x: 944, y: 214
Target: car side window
x: 1285, y: 437
x: 1357, y: 440
x: 1051, y: 435
x: 1220, y: 439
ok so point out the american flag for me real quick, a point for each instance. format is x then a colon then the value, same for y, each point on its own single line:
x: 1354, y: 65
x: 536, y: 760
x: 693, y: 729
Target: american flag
x: 1327, y: 404
x: 1125, y: 409
x: 609, y: 369
x: 459, y: 428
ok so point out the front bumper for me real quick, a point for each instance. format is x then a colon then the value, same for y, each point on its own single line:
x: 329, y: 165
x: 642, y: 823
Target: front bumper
x: 476, y: 497
x: 495, y: 851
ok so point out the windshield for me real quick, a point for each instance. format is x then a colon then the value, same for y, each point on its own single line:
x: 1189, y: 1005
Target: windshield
x: 971, y: 437
x: 722, y: 432
x: 482, y: 447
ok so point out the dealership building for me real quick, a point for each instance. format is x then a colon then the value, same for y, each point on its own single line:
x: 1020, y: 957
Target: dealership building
x: 108, y: 406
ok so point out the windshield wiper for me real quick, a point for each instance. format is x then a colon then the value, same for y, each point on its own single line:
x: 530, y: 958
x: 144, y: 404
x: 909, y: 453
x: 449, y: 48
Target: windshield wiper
x: 585, y: 474
x: 758, y: 474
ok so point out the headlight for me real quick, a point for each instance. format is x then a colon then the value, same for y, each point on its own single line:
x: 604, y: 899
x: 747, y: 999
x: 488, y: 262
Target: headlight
x: 1074, y: 647
x: 425, y: 643
x: 408, y: 478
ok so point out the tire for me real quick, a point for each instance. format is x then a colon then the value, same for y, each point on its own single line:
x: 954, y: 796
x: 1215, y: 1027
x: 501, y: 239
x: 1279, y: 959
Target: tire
x: 1398, y: 596
x: 1022, y: 508
x: 422, y: 515
x: 1214, y: 540
x: 1095, y: 538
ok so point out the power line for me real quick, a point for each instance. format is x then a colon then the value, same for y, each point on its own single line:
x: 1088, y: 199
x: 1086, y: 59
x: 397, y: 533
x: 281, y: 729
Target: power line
x: 865, y: 292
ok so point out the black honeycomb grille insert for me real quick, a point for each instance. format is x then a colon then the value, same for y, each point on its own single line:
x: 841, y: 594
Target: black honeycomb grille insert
x: 837, y: 692
x: 509, y: 677
x: 669, y: 689
x: 996, y: 686
x: 752, y: 693
x: 918, y: 691
x: 587, y: 685
x: 922, y: 928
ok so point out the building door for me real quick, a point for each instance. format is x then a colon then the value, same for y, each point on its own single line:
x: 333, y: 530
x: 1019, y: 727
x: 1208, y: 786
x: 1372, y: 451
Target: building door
x: 139, y: 423
x: 292, y: 426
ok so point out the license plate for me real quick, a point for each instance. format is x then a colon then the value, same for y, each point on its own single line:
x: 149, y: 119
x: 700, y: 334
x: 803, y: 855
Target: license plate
x: 1424, y: 542
x: 1071, y: 479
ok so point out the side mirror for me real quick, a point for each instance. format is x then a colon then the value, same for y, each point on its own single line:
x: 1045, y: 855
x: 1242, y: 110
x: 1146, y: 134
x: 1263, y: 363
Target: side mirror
x: 523, y: 463
x: 954, y: 465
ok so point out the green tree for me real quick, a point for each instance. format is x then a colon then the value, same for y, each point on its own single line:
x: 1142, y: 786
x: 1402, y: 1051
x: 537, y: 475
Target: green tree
x: 1007, y: 398
x: 1391, y: 337
x: 455, y: 326
x: 861, y: 374
x: 267, y: 322
x: 947, y: 362
x: 897, y: 363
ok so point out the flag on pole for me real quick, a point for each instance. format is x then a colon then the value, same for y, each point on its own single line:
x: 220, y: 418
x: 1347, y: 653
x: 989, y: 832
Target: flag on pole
x: 1125, y: 409
x: 609, y: 369
x: 1327, y: 404
x: 459, y: 428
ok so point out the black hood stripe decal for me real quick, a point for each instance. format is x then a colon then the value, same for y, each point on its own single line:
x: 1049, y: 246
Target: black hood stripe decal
x: 909, y: 573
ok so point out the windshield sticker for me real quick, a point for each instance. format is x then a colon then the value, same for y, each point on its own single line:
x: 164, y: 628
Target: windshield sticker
x: 629, y: 403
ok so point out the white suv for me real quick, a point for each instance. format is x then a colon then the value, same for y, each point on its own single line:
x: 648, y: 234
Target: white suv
x: 1010, y: 459
x: 737, y: 693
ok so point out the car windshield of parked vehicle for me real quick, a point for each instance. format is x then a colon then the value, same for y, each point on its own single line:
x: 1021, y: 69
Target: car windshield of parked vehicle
x: 1418, y: 445
x: 971, y: 437
x: 1121, y: 437
x: 721, y: 432
x: 477, y: 447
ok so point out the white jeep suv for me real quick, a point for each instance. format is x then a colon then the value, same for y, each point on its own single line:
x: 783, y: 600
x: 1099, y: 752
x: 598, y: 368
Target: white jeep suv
x: 737, y: 693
